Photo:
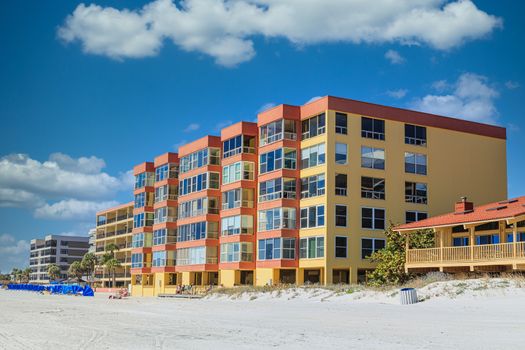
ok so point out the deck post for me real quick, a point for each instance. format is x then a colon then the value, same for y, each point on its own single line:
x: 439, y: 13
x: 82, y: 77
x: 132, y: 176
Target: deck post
x: 471, y: 242
x: 514, y: 237
x: 407, y: 245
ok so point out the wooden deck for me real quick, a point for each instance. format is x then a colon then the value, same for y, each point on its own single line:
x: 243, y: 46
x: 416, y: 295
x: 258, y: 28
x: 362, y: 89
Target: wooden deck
x: 477, y: 255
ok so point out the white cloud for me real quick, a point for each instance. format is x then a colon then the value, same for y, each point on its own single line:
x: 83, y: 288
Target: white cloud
x: 13, y: 253
x: 394, y: 57
x: 192, y: 127
x: 470, y: 97
x: 72, y: 209
x: 399, y: 93
x: 441, y: 85
x: 224, y: 29
x: 511, y: 85
x: 84, y: 165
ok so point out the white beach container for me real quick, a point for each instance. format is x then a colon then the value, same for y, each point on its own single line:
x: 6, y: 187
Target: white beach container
x: 408, y: 296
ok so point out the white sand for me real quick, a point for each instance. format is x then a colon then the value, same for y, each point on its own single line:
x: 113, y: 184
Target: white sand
x: 478, y: 314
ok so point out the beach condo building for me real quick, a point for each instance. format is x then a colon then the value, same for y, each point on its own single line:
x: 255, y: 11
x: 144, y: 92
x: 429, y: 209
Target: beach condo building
x: 486, y: 238
x: 113, y: 234
x: 304, y: 195
x: 55, y: 249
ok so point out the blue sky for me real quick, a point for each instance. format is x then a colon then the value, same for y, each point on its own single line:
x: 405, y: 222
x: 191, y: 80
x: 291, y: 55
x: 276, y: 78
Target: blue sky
x: 83, y: 98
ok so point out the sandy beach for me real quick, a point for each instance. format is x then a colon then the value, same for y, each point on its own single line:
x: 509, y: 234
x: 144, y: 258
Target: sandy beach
x: 456, y: 314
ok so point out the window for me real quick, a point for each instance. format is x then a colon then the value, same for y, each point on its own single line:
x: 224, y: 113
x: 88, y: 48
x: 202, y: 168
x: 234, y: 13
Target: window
x: 158, y: 258
x: 372, y: 128
x: 312, y: 186
x: 165, y: 214
x: 314, y: 126
x: 236, y: 252
x: 373, y: 218
x: 341, y: 123
x: 232, y: 146
x: 277, y: 218
x: 415, y: 192
x: 311, y: 248
x: 166, y: 192
x: 415, y: 135
x: 341, y: 153
x: 199, y: 206
x: 371, y: 245
x: 143, y: 219
x: 140, y: 200
x: 312, y: 216
x: 200, y: 158
x: 273, y: 247
x: 277, y: 189
x: 373, y: 188
x: 312, y: 156
x: 199, y: 183
x: 166, y: 171
x: 273, y: 160
x: 237, y: 171
x: 144, y: 179
x: 136, y: 260
x: 236, y: 225
x: 137, y: 240
x: 415, y: 163
x: 519, y: 235
x: 164, y: 236
x: 412, y: 216
x: 237, y: 198
x: 460, y: 241
x: 341, y: 247
x: 197, y: 230
x: 487, y: 239
x: 340, y: 184
x: 340, y: 215
x: 273, y: 132
x: 373, y: 158
x: 196, y: 256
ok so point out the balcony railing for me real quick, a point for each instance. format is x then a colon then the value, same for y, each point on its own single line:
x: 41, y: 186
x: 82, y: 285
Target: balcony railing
x: 372, y: 194
x: 208, y: 260
x: 416, y: 199
x: 237, y: 204
x: 465, y: 254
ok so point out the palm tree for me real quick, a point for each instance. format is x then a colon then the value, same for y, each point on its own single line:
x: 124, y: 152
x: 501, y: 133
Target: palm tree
x: 26, y: 273
x: 75, y: 269
x: 108, y: 256
x: 53, y: 271
x: 111, y: 265
x: 15, y: 274
x: 89, y: 261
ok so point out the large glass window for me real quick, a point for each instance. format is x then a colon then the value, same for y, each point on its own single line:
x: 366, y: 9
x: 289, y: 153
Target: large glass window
x: 372, y: 128
x: 312, y: 216
x: 144, y: 179
x: 340, y: 215
x: 373, y: 218
x: 276, y: 248
x: 206, y: 156
x: 373, y: 158
x: 276, y: 131
x: 277, y: 189
x: 236, y: 225
x: 412, y: 216
x: 199, y: 206
x: 232, y: 146
x: 415, y: 163
x: 340, y: 184
x: 273, y: 160
x: 196, y: 256
x: 163, y: 258
x: 238, y: 198
x: 236, y: 252
x: 166, y: 171
x: 199, y: 182
x: 341, y: 247
x: 415, y: 135
x: 416, y: 192
x: 140, y: 200
x: 341, y: 153
x: 373, y: 188
x: 164, y: 236
x: 311, y: 247
x: 371, y: 245
x: 137, y: 240
x: 165, y: 214
x: 313, y: 156
x: 237, y: 171
x: 277, y: 218
x: 137, y: 260
x: 197, y: 230
x: 313, y: 126
x: 341, y: 123
x: 143, y: 219
x: 166, y: 192
x: 312, y: 186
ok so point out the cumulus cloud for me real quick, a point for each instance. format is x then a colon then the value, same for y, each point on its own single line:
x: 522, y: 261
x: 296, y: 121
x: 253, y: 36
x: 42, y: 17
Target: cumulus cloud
x: 192, y: 127
x: 72, y: 209
x: 224, y: 29
x: 394, y: 57
x: 77, y: 186
x: 13, y: 253
x: 399, y: 93
x: 471, y: 97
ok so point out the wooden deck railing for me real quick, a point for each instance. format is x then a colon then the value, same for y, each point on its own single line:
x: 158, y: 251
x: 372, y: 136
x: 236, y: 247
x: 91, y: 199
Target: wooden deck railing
x: 478, y: 253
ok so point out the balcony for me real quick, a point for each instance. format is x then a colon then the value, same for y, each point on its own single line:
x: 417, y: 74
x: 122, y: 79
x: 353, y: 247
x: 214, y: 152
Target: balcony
x: 501, y: 253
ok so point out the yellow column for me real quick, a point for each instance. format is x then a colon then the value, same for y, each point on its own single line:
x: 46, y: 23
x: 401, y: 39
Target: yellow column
x: 471, y: 239
x: 514, y: 237
x: 407, y: 246
x: 441, y: 232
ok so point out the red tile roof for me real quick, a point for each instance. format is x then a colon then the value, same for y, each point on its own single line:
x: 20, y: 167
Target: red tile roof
x: 505, y: 209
